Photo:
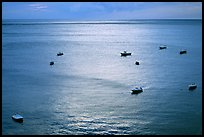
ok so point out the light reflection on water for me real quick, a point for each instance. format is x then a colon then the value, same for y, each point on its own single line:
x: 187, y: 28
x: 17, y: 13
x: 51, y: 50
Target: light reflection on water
x: 88, y: 90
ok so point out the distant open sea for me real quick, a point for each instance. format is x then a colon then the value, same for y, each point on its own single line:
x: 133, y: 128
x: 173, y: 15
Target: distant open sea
x: 88, y: 89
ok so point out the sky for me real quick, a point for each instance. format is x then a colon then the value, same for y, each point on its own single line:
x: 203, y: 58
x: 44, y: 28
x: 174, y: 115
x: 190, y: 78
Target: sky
x: 101, y: 10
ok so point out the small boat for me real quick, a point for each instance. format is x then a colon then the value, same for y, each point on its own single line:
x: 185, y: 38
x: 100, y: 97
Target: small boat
x: 60, y: 54
x: 162, y: 47
x: 137, y: 90
x: 183, y: 52
x: 125, y: 54
x: 17, y: 118
x: 137, y: 63
x: 192, y: 86
x: 52, y: 63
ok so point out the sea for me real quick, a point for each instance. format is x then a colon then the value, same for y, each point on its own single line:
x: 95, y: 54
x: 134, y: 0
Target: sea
x: 88, y: 89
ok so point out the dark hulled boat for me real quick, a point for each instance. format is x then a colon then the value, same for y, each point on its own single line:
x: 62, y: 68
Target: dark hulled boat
x: 125, y: 54
x: 60, y: 54
x: 183, y: 52
x: 52, y: 63
x: 192, y: 86
x: 137, y: 63
x: 162, y: 47
x: 137, y: 90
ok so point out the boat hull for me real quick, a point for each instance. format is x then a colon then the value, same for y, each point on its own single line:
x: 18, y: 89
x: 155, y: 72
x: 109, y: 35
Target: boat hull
x: 137, y: 63
x: 60, y: 54
x: 162, y: 47
x: 17, y: 118
x: 136, y: 91
x: 183, y: 52
x: 192, y: 87
x: 125, y: 54
x: 52, y: 63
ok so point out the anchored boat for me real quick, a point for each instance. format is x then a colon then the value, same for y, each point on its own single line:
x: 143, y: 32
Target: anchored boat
x: 137, y: 90
x: 162, y: 47
x: 137, y: 63
x: 192, y: 86
x: 125, y: 54
x: 60, y: 54
x: 17, y: 118
x: 183, y: 52
x: 52, y: 63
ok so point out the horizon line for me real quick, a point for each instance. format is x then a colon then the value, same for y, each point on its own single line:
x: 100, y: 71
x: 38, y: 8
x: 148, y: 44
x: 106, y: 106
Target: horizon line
x: 111, y: 19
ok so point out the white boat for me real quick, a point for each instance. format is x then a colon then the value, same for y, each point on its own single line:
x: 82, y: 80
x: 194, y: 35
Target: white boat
x: 192, y: 86
x: 17, y: 118
x: 137, y: 90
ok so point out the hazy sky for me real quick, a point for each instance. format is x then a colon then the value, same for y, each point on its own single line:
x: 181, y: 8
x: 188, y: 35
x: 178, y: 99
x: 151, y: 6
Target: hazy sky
x: 101, y: 10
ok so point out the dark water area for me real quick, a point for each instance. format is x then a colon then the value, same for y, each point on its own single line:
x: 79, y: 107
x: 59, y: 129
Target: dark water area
x: 88, y: 89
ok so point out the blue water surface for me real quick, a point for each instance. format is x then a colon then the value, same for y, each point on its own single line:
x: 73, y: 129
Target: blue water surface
x: 88, y: 89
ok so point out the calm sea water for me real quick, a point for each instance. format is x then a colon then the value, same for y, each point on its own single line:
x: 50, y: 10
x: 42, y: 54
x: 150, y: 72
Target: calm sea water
x: 88, y: 90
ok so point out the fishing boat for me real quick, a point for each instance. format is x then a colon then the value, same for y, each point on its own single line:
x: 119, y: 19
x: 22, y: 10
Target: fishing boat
x: 183, y: 52
x: 17, y: 118
x: 137, y: 90
x: 125, y: 54
x: 192, y: 86
x: 60, y: 54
